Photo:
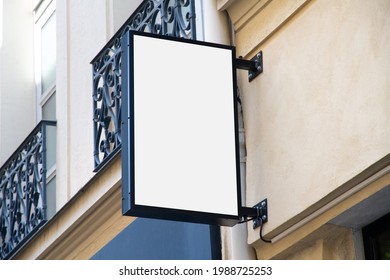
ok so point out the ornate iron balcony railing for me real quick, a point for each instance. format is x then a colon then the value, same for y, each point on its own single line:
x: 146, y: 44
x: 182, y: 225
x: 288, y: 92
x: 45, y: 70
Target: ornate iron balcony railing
x: 23, y: 191
x: 166, y: 17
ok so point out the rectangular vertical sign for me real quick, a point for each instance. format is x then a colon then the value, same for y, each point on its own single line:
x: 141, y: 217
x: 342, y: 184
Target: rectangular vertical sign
x: 180, y: 156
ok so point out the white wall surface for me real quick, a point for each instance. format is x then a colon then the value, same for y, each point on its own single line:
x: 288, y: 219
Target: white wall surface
x: 17, y: 95
x: 122, y: 10
x: 83, y: 27
x: 81, y: 31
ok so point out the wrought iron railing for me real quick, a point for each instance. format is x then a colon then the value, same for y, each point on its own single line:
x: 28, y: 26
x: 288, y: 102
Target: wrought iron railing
x: 23, y: 191
x: 167, y: 17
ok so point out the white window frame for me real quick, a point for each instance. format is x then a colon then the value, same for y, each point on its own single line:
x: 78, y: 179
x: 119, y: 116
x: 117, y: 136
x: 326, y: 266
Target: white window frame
x: 43, y: 10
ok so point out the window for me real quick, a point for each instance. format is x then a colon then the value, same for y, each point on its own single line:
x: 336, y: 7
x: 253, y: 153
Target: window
x: 45, y: 86
x: 45, y: 59
x: 376, y: 237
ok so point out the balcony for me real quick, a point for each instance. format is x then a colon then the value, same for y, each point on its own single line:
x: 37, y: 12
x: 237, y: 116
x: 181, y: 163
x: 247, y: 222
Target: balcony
x: 23, y: 206
x: 166, y: 17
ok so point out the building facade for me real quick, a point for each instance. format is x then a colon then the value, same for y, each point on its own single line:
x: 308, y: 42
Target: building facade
x: 314, y: 133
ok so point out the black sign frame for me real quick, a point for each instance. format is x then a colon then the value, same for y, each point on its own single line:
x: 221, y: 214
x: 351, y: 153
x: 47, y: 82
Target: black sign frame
x: 130, y: 207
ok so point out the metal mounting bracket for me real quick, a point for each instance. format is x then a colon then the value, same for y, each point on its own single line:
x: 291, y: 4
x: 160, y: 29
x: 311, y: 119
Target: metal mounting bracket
x: 254, y: 66
x: 258, y: 213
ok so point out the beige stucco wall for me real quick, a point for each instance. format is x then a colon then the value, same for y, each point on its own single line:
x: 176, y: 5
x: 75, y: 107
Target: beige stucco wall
x: 327, y: 243
x: 318, y: 115
x: 17, y: 94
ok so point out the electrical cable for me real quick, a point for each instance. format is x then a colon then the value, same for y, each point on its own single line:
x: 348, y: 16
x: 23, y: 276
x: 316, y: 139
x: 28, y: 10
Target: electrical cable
x: 261, y: 232
x: 245, y: 220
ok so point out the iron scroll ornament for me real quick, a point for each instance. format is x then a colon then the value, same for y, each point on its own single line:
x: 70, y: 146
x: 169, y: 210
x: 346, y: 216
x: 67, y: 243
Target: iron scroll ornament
x: 165, y: 17
x: 23, y: 191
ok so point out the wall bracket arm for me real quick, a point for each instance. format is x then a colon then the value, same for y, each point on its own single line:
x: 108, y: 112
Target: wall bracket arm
x: 254, y: 66
x: 258, y: 213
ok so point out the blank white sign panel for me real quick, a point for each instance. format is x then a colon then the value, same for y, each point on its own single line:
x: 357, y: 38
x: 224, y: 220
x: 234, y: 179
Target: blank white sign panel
x: 184, y: 126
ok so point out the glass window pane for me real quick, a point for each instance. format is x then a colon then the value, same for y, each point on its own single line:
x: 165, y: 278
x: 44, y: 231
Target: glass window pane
x: 48, y: 53
x: 384, y: 244
x: 49, y: 113
x: 376, y: 238
x: 49, y: 109
x: 51, y: 198
x: 51, y: 139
